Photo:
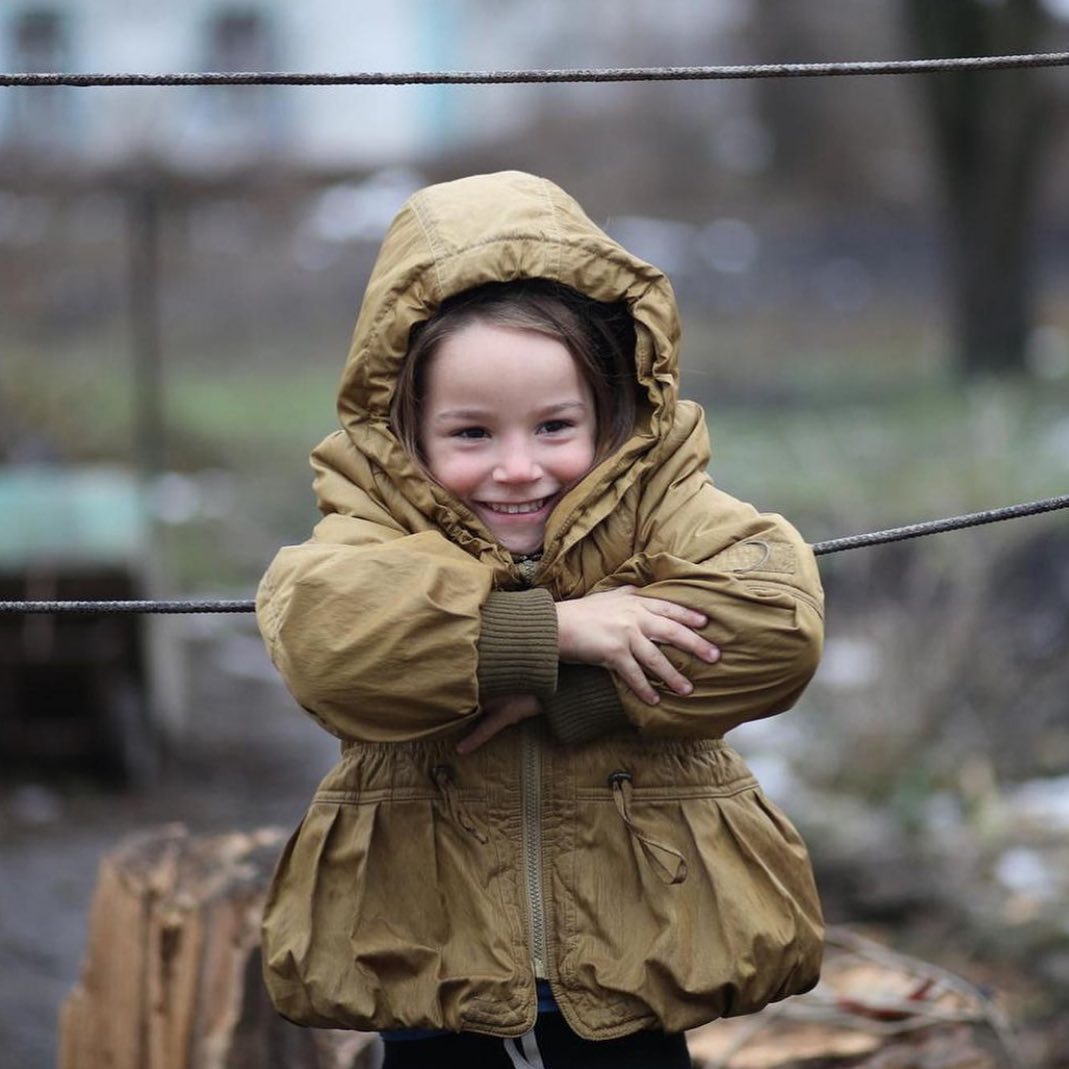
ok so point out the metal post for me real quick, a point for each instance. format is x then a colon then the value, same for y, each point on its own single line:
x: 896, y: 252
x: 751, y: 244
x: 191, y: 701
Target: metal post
x: 144, y: 248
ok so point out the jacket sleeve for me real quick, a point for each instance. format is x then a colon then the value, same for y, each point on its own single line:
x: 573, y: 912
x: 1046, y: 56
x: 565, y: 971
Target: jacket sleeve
x: 376, y: 631
x: 518, y: 650
x: 754, y: 578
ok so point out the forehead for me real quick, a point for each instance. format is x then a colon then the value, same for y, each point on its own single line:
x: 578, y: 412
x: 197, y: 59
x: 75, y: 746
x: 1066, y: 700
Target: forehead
x: 488, y: 364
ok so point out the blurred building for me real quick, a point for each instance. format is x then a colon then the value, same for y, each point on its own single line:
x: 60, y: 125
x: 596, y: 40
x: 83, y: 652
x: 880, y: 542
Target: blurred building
x: 209, y: 127
x: 206, y: 128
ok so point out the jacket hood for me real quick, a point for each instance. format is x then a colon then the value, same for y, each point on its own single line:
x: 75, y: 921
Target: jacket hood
x: 451, y: 237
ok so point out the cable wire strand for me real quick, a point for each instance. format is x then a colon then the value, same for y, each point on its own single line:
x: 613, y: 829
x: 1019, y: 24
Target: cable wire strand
x: 835, y: 545
x: 105, y: 608
x: 513, y: 77
x: 951, y: 523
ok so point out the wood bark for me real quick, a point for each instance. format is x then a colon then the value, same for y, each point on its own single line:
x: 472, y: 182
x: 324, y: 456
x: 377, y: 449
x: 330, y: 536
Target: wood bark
x: 171, y: 978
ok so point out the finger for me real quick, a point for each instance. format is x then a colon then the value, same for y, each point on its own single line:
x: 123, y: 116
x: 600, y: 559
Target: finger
x: 669, y: 609
x: 656, y: 664
x: 635, y: 679
x: 483, y: 732
x: 669, y: 633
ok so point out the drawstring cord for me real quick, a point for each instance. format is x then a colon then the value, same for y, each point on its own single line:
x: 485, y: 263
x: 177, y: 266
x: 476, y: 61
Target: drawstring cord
x: 674, y: 873
x: 669, y: 864
x: 443, y: 780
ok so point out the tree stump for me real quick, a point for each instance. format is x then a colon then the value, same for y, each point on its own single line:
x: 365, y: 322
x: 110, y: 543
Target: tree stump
x: 172, y: 980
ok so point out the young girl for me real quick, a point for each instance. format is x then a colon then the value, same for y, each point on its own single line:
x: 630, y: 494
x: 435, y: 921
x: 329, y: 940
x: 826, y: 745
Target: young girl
x: 530, y: 618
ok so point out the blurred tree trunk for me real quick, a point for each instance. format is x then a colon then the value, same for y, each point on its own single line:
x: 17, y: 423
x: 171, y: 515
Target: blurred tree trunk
x: 782, y: 32
x: 989, y: 140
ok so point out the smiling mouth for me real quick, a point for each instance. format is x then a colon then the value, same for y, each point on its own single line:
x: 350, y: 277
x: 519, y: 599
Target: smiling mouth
x: 515, y: 508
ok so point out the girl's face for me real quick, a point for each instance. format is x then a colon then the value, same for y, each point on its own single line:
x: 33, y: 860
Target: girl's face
x: 507, y: 424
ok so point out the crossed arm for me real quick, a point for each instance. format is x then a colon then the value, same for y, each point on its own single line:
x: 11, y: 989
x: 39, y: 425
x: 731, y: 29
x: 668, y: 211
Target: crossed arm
x: 617, y: 630
x: 380, y: 634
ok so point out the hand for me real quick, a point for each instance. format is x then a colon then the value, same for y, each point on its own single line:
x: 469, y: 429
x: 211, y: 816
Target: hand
x: 499, y: 713
x: 620, y: 630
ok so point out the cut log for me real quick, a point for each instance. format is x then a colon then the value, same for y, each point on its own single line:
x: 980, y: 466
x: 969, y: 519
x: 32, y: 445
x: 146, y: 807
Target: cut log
x: 171, y: 978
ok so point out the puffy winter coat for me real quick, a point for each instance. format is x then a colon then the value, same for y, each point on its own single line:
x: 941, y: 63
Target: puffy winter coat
x: 619, y: 849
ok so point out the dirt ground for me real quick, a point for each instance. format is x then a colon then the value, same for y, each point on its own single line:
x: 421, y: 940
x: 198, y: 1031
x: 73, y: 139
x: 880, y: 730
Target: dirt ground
x: 248, y: 759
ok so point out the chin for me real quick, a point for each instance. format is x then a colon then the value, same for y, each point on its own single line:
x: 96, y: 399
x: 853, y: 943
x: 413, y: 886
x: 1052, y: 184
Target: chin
x: 522, y: 548
x: 515, y: 544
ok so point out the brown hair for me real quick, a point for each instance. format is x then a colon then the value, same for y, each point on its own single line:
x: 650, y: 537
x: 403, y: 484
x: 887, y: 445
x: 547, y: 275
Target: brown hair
x: 599, y: 335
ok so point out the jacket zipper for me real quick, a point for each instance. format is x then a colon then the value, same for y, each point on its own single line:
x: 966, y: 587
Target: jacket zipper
x: 531, y: 807
x: 531, y: 813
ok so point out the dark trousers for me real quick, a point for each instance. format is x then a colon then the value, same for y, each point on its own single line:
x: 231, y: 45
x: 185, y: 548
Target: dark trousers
x: 552, y: 1045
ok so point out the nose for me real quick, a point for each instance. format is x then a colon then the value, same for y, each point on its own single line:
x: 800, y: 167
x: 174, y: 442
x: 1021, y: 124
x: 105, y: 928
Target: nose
x: 516, y: 463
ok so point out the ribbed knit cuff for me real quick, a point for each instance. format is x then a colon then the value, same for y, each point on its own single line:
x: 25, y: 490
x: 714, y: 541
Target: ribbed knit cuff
x: 585, y: 706
x: 518, y: 651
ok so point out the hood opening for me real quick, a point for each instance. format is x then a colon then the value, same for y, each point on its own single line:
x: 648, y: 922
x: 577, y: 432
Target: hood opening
x: 600, y: 336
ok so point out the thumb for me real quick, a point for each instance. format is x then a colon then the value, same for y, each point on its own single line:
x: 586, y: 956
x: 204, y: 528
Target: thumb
x: 484, y: 730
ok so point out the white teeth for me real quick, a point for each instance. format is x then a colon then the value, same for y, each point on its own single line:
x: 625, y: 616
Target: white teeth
x: 512, y: 510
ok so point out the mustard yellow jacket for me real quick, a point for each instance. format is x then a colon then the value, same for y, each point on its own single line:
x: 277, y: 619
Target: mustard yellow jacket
x: 621, y: 850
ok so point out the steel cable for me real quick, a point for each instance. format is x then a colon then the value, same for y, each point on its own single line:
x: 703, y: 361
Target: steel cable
x: 571, y: 76
x: 951, y: 523
x: 632, y: 74
x: 835, y: 545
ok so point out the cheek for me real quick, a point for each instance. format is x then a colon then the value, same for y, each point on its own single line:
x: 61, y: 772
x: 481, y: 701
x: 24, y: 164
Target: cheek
x: 579, y: 461
x: 458, y: 474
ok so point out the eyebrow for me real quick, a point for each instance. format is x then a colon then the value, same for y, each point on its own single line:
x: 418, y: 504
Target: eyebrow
x: 482, y: 413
